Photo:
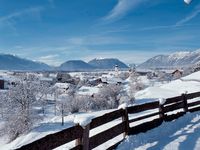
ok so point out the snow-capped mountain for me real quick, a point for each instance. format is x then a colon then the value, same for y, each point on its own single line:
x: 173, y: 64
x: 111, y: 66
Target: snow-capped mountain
x: 178, y: 59
x: 75, y: 65
x: 11, y: 62
x: 107, y: 63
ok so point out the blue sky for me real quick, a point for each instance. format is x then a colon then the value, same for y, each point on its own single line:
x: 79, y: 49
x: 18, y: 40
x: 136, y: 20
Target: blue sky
x: 54, y: 31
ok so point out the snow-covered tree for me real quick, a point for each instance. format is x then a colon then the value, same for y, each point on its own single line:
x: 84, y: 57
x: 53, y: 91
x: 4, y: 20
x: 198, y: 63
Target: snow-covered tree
x: 44, y: 88
x: 3, y: 100
x: 20, y: 115
x: 135, y: 85
x: 110, y: 93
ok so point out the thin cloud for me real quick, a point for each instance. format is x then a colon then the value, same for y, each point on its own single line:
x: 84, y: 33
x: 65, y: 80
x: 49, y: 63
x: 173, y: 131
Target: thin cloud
x: 95, y: 40
x: 29, y: 11
x: 50, y: 60
x: 121, y: 9
x: 10, y: 20
x: 164, y: 27
x: 190, y: 16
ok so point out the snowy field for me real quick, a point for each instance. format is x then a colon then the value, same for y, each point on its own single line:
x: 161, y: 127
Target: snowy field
x: 189, y: 84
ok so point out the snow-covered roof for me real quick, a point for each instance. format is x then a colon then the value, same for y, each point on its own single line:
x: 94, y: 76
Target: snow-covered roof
x: 46, y: 79
x: 84, y: 90
x: 62, y: 85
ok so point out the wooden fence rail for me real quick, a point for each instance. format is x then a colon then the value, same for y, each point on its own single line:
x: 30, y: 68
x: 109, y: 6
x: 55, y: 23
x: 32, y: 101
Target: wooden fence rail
x: 151, y: 115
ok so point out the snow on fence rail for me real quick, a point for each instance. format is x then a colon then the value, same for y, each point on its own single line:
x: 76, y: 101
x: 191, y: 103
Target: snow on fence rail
x: 132, y: 120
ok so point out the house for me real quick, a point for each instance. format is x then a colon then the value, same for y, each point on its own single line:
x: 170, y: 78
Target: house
x: 48, y: 80
x: 2, y: 84
x: 197, y: 68
x: 177, y: 74
x: 62, y: 87
x: 94, y: 82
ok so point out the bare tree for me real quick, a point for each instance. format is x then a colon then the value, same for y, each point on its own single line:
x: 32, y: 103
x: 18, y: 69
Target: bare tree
x: 20, y: 115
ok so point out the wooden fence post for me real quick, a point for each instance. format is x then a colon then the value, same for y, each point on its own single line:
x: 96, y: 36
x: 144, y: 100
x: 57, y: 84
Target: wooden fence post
x: 126, y: 120
x: 62, y: 111
x: 78, y: 141
x: 84, y: 140
x: 185, y: 107
x: 161, y: 112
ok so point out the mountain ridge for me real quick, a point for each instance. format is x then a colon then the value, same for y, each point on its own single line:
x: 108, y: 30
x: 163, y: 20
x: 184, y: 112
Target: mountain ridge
x: 177, y: 59
x: 13, y: 62
x: 107, y: 63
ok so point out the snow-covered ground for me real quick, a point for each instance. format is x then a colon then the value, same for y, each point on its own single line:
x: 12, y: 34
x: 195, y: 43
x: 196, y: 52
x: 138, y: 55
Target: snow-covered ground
x: 188, y: 84
x: 53, y: 125
x: 180, y: 134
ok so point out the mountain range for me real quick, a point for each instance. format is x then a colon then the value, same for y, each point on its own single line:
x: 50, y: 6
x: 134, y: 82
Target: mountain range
x: 79, y: 65
x: 174, y: 60
x: 11, y: 62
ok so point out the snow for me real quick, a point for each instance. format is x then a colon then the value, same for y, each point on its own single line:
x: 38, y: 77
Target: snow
x: 192, y: 77
x: 174, y: 135
x: 62, y: 85
x: 53, y: 125
x: 156, y: 92
x: 181, y: 134
x: 174, y: 88
x: 179, y: 55
x: 46, y: 79
x: 162, y: 101
x: 83, y: 120
x: 123, y: 106
x: 85, y: 90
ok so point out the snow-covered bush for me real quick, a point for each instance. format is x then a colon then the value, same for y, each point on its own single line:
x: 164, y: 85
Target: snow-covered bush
x: 110, y: 93
x: 99, y: 102
x: 73, y: 104
x: 124, y: 75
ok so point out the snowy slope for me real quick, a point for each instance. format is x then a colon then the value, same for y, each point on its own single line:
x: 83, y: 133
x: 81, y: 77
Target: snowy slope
x: 178, y: 59
x: 180, y: 134
x: 189, y: 83
x: 54, y: 125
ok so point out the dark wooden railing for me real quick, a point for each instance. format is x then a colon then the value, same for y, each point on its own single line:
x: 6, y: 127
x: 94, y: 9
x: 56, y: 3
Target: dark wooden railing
x: 132, y: 120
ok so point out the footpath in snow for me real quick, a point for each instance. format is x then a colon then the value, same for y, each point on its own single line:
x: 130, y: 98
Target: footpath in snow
x: 180, y: 134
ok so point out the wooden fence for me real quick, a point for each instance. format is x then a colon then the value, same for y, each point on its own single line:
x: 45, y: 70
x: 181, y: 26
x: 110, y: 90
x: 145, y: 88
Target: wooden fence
x: 132, y: 120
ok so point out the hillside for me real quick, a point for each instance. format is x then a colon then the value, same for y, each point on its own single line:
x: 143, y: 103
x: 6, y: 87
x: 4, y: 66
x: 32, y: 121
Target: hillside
x: 178, y: 59
x: 107, y: 63
x: 75, y: 65
x: 11, y: 62
x: 190, y: 83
